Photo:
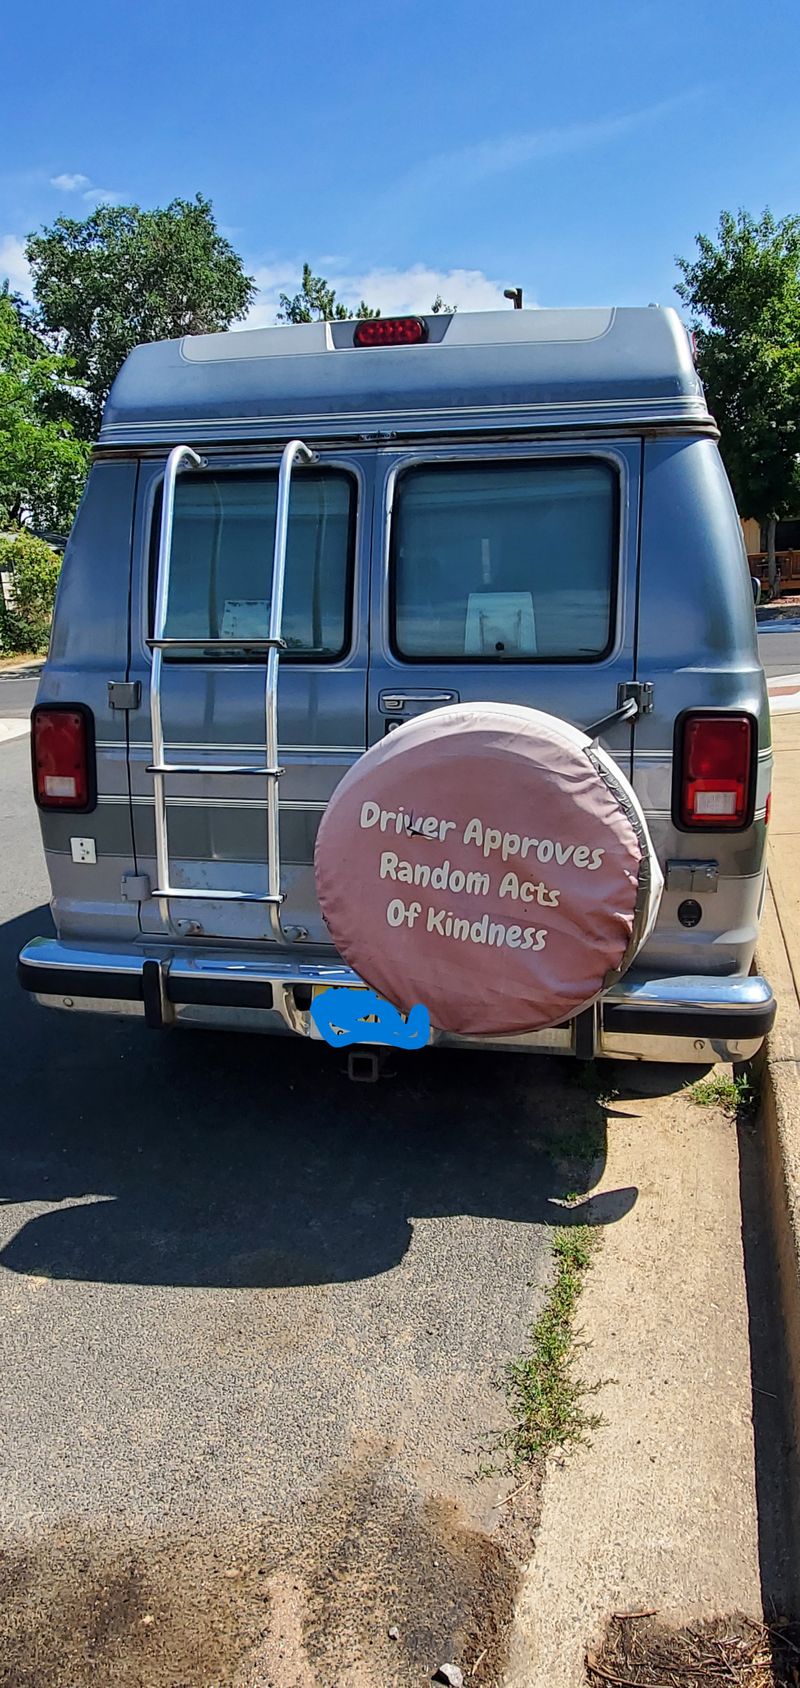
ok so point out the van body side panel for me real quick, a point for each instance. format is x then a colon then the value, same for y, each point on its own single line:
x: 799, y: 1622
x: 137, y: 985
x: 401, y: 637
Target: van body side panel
x: 697, y: 645
x: 214, y: 711
x: 89, y: 647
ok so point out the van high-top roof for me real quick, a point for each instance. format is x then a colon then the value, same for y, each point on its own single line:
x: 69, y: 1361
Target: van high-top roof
x: 478, y: 372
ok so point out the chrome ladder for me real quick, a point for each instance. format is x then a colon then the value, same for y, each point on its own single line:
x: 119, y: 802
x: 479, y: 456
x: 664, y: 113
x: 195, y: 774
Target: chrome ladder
x: 274, y: 643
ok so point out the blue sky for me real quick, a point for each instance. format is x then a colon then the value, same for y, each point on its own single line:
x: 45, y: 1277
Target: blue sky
x: 572, y: 148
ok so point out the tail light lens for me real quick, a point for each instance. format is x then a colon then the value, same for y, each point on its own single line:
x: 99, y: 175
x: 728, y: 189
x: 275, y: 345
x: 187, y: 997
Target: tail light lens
x: 391, y: 331
x: 715, y: 769
x: 62, y: 743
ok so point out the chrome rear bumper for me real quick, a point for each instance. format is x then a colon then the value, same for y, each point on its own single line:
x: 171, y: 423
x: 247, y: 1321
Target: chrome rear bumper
x: 687, y: 1018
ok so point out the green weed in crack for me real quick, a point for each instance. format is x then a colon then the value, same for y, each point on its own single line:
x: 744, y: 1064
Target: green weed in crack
x: 732, y: 1092
x: 544, y: 1397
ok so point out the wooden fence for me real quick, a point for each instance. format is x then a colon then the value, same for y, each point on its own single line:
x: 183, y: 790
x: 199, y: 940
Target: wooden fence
x: 788, y: 565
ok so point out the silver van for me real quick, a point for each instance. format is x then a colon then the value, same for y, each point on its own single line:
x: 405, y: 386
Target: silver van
x: 269, y: 571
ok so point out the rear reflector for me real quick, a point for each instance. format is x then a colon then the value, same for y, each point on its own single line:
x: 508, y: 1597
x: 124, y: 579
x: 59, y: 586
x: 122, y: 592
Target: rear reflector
x: 62, y: 743
x: 716, y: 771
x: 391, y: 331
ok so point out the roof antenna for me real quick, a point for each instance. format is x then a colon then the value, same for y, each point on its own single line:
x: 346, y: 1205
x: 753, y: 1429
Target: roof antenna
x: 515, y: 295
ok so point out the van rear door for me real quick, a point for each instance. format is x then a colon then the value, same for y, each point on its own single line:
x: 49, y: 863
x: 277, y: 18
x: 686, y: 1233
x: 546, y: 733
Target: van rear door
x: 506, y: 573
x: 213, y: 702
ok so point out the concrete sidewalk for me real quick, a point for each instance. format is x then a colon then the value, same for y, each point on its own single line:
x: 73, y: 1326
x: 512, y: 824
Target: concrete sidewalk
x: 784, y: 844
x: 779, y: 960
x: 685, y: 1503
x: 17, y: 667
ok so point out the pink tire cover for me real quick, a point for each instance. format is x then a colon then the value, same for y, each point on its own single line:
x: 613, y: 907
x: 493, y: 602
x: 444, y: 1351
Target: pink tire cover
x: 491, y: 862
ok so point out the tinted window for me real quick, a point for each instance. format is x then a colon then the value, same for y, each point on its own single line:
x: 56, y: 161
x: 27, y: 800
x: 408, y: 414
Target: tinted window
x: 221, y: 570
x: 505, y: 561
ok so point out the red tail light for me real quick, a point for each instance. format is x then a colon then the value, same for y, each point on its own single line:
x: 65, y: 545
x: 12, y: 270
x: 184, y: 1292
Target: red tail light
x: 715, y: 770
x: 391, y: 331
x: 62, y: 742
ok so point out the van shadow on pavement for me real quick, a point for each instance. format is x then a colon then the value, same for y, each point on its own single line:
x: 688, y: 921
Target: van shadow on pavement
x: 223, y: 1160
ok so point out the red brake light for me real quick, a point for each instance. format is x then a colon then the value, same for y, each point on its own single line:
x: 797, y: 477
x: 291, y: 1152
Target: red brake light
x: 62, y: 742
x: 391, y: 331
x: 716, y: 769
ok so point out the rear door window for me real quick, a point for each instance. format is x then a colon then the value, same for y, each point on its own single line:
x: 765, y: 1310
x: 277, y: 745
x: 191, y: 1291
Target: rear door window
x: 505, y: 562
x: 221, y: 569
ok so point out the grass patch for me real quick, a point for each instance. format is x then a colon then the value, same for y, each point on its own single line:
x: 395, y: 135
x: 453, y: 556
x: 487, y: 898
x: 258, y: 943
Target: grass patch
x: 733, y: 1093
x: 545, y: 1399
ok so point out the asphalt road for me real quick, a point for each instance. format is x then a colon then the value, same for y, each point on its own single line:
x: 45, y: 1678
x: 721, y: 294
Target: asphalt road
x: 779, y: 644
x: 251, y: 1322
x: 17, y: 692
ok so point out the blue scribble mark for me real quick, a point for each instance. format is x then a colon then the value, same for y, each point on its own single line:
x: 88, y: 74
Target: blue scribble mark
x: 344, y: 1016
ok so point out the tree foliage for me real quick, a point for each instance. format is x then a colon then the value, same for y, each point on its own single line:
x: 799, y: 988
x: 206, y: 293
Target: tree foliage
x: 123, y: 276
x: 316, y: 301
x: 42, y: 464
x: 744, y: 293
x: 33, y: 568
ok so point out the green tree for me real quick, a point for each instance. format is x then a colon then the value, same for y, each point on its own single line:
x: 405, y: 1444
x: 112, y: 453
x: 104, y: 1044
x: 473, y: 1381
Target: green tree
x: 316, y: 301
x: 42, y: 465
x: 744, y: 294
x: 33, y: 568
x: 123, y: 276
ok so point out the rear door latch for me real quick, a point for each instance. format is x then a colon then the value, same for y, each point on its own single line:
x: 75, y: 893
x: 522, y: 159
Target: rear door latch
x: 634, y: 698
x: 640, y: 691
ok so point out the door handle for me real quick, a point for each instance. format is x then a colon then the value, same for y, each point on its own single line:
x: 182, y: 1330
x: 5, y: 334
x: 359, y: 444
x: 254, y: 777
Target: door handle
x: 393, y: 703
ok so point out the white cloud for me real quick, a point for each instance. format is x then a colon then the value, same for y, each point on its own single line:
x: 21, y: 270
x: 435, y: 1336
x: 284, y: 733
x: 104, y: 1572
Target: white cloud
x: 14, y: 265
x: 392, y: 291
x: 471, y: 164
x: 271, y: 280
x: 101, y: 196
x: 68, y: 182
x: 75, y: 182
x: 415, y: 289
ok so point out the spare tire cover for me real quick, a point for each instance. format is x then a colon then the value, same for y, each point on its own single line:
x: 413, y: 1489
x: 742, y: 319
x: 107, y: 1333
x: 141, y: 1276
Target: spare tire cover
x: 491, y: 862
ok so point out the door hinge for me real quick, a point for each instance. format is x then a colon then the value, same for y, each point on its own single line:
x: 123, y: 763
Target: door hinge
x: 639, y: 692
x: 124, y: 694
x: 135, y: 887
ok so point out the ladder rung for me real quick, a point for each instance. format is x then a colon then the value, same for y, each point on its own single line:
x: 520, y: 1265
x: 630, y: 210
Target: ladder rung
x: 216, y: 644
x: 212, y: 768
x: 217, y: 896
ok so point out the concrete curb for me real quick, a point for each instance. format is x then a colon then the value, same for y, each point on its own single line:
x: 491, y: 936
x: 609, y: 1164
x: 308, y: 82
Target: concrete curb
x: 778, y: 1070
